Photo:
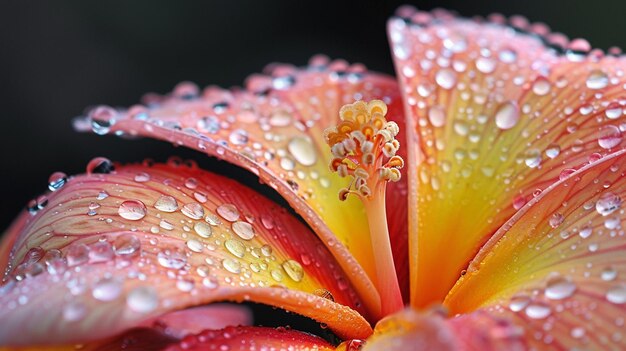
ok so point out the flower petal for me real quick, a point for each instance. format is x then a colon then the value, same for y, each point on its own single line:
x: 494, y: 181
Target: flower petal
x: 494, y: 115
x: 274, y: 128
x: 251, y: 339
x: 107, y: 252
x: 557, y: 268
x: 411, y: 330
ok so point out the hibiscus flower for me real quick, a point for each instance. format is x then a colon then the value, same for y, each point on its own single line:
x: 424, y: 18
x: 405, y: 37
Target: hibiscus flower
x: 472, y: 203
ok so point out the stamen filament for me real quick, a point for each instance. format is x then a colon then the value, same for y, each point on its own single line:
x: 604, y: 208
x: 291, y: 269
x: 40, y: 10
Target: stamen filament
x: 364, y: 148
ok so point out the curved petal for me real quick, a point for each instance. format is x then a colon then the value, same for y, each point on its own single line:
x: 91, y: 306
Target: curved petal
x: 557, y: 267
x: 411, y: 330
x: 493, y: 117
x: 251, y: 339
x: 275, y: 128
x: 109, y: 251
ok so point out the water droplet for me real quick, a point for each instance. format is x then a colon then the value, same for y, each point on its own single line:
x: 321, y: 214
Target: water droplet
x: 455, y: 42
x: 173, y: 259
x: 556, y: 220
x: 597, y: 79
x: 283, y: 82
x: 142, y: 299
x: 485, y: 65
x: 191, y: 183
x: 302, y: 150
x: 102, y: 195
x: 100, y: 251
x: 193, y: 210
x: 56, y: 181
x: 287, y: 164
x: 541, y: 86
x: 613, y: 111
x: 77, y: 254
x: 243, y: 229
x: 142, y: 177
x: 294, y: 270
x: 238, y: 137
x: 107, y: 289
x: 235, y: 247
x: 231, y: 265
x: 616, y: 294
x: 507, y: 115
x: 609, y: 137
x: 559, y: 289
x: 229, y: 212
x: 577, y: 332
x: 445, y: 78
x: 74, y: 311
x: 608, y: 274
x: 267, y: 221
x: 437, y: 116
x: 518, y: 303
x: 585, y: 232
x: 133, y: 210
x: 102, y: 119
x: 100, y: 165
x: 537, y: 310
x: 195, y: 245
x: 280, y: 118
x: 608, y: 203
x: 212, y: 219
x: 202, y: 229
x: 166, y: 203
x: 35, y: 205
x: 532, y: 158
x: 126, y: 245
x: 553, y: 150
x: 508, y: 55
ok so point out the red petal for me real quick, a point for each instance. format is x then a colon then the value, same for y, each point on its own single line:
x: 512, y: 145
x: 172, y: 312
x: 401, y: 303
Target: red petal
x: 251, y: 339
x: 557, y: 268
x: 110, y: 251
x: 274, y: 128
x: 493, y: 116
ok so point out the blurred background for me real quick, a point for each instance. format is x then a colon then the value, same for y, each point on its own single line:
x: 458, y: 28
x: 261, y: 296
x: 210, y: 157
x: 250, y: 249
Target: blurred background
x: 56, y: 58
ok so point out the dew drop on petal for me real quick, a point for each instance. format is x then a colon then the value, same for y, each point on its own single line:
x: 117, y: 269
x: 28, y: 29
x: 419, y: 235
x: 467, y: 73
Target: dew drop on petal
x: 437, y: 116
x: 231, y: 265
x: 556, y: 220
x: 507, y: 115
x: 235, y: 247
x: 229, y: 212
x: 597, y: 79
x: 142, y: 299
x: 559, y: 288
x: 445, y: 78
x: 133, y: 210
x: 294, y: 270
x: 56, y: 181
x: 537, y: 310
x: 613, y: 111
x: 616, y: 294
x: 77, y: 254
x: 166, y: 203
x: 194, y: 245
x: 518, y: 303
x: 608, y: 203
x: 541, y: 86
x: 243, y: 229
x: 74, y: 311
x: 553, y: 150
x: 142, y: 177
x: 193, y: 210
x: 202, y: 229
x: 608, y: 274
x: 609, y: 137
x: 302, y: 150
x: 100, y: 165
x: 107, y: 289
x: 171, y: 259
x: 126, y: 245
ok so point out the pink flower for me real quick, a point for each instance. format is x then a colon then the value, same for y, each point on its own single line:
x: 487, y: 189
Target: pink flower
x: 473, y: 204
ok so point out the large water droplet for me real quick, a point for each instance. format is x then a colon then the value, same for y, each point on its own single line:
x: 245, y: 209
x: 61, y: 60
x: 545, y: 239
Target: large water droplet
x: 56, y: 181
x: 244, y: 230
x: 294, y: 270
x: 609, y: 137
x: 302, y: 150
x: 613, y: 111
x: 133, y: 210
x: 597, y: 79
x: 537, y: 310
x: 532, y: 158
x: 229, y: 212
x: 231, y: 265
x: 173, y: 259
x: 102, y: 119
x: 437, y: 116
x: 100, y: 165
x: 608, y: 274
x: 608, y: 203
x: 235, y: 247
x: 166, y: 203
x: 126, y: 245
x: 507, y: 115
x: 616, y: 294
x: 193, y: 210
x: 203, y: 229
x: 445, y: 78
x: 541, y: 86
x: 559, y: 289
x: 142, y: 299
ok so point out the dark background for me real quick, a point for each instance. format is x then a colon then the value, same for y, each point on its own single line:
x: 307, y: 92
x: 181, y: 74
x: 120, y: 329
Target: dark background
x: 57, y: 57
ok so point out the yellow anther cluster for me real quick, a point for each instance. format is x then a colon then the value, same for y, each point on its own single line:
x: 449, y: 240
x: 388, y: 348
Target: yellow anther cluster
x: 364, y: 147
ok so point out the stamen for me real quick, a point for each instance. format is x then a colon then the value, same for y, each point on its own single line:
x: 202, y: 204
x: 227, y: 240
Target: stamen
x: 364, y: 147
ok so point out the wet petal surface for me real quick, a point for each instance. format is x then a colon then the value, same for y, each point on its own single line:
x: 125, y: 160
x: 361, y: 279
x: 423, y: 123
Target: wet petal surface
x: 274, y: 128
x: 495, y: 116
x: 109, y: 251
x: 557, y: 268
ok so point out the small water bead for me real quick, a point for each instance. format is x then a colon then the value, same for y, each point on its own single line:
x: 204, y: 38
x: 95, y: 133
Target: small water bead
x: 166, y: 203
x: 165, y: 224
x: 455, y: 42
x: 556, y: 220
x: 519, y: 202
x: 142, y: 299
x: 266, y: 250
x: 609, y: 137
x: 133, y: 210
x: 445, y: 78
x: 107, y: 289
x: 287, y: 164
x: 74, y: 311
x: 613, y: 111
x: 585, y: 232
x: 235, y: 247
x: 566, y: 173
x: 193, y: 210
x: 100, y: 165
x: 283, y: 82
x: 77, y: 254
x: 553, y: 150
x: 126, y: 245
x: 541, y: 86
x: 532, y: 158
x: 559, y: 289
x: 195, y: 245
x: 507, y: 115
x: 608, y: 203
x: 294, y: 270
x: 231, y: 265
x: 102, y: 119
x: 243, y: 229
x: 302, y: 149
x: 56, y: 181
x: 537, y: 310
x: 191, y: 183
x: 238, y: 137
x: 277, y: 275
x: 597, y: 79
x: 202, y: 229
x: 173, y: 259
x: 616, y: 294
x: 437, y: 116
x: 210, y: 283
x: 229, y: 212
x: 608, y: 274
x: 485, y: 65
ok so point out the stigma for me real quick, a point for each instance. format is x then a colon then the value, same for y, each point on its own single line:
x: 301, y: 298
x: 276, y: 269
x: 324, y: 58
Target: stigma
x: 364, y: 148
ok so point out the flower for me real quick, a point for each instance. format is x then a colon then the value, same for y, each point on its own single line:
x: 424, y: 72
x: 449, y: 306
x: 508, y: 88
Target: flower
x: 503, y: 232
